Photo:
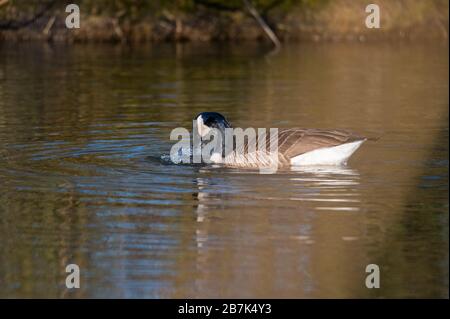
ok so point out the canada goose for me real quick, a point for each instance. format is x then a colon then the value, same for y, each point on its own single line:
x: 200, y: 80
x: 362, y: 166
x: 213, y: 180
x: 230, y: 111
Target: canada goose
x: 296, y: 146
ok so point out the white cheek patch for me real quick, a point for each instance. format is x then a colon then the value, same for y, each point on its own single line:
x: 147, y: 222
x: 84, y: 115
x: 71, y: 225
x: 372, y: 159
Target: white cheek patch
x: 203, y: 130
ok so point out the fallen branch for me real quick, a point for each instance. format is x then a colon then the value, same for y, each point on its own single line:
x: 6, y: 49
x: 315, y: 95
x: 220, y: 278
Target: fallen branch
x: 49, y: 25
x: 272, y: 36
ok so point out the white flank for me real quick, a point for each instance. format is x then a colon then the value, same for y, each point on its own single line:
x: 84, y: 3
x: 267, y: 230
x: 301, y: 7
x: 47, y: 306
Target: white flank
x: 216, y: 158
x: 336, y: 155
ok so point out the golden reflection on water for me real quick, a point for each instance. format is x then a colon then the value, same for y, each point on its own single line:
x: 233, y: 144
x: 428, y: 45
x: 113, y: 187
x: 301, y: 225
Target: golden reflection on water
x: 78, y: 186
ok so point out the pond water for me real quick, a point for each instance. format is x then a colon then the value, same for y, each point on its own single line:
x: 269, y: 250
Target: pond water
x: 82, y: 128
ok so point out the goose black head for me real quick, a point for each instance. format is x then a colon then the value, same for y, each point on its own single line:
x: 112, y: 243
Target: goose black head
x: 211, y: 120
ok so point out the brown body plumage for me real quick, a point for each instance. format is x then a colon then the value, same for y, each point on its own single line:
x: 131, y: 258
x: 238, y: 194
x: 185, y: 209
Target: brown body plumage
x: 294, y: 146
x: 291, y: 143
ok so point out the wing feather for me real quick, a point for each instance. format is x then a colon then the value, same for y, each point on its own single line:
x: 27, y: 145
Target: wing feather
x: 306, y: 140
x: 292, y: 142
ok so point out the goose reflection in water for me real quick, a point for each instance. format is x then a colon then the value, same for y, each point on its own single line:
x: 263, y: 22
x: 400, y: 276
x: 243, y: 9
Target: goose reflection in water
x: 235, y: 206
x: 333, y: 184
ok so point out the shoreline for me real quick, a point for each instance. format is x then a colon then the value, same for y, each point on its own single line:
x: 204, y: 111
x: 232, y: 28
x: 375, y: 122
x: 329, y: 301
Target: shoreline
x: 337, y: 21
